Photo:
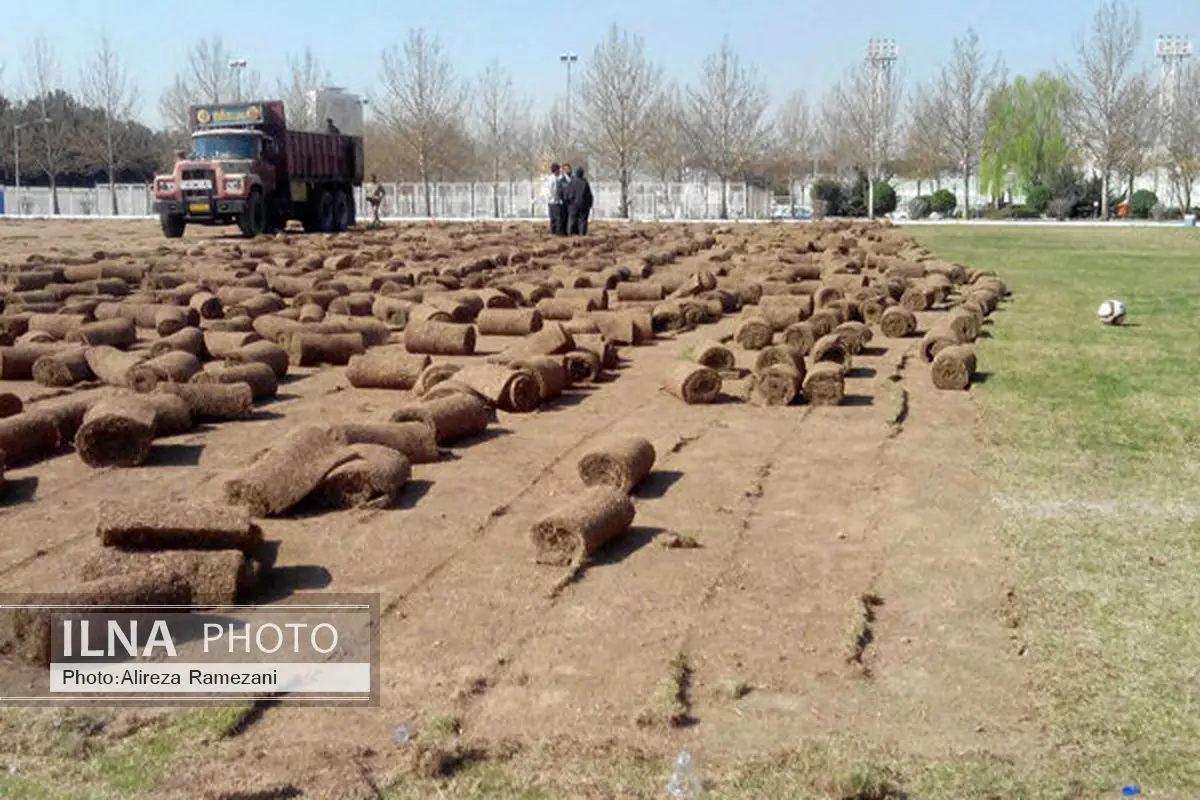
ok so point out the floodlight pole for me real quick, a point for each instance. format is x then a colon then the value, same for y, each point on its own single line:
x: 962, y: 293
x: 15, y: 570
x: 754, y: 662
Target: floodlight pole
x: 568, y: 58
x: 236, y: 66
x: 881, y: 54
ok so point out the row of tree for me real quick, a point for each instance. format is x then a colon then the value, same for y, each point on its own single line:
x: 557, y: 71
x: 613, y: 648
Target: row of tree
x: 1028, y: 136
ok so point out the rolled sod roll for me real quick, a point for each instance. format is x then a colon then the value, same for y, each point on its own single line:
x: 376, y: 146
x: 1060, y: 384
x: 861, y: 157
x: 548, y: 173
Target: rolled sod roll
x: 825, y: 384
x: 582, y: 365
x: 391, y: 367
x: 754, y: 333
x: 355, y: 304
x: 271, y: 327
x: 619, y: 462
x: 13, y: 325
x: 176, y: 366
x: 175, y: 525
x: 580, y: 528
x: 824, y: 320
x: 311, y: 312
x: 453, y: 417
x: 212, y: 577
x: 494, y: 298
x: 551, y: 339
x: 856, y: 335
x: 373, y: 478
x: 439, y: 338
x: 187, y: 340
x: 59, y: 326
x: 427, y: 312
x: 65, y: 367
x: 780, y: 311
x: 938, y: 337
x: 779, y: 354
x: 262, y: 352
x: 749, y: 294
x: 220, y: 344
x: 171, y: 319
x: 207, y: 305
x: 954, y: 367
x: 777, y: 385
x: 917, y: 298
x: 35, y: 337
x: 509, y: 321
x: 800, y: 337
x: 564, y: 308
x: 116, y: 432
x: 608, y: 351
x: 10, y: 405
x: 618, y: 326
x: 831, y: 347
x: 373, y: 332
x: 550, y: 372
x: 714, y: 355
x: 873, y: 308
x: 391, y: 310
x: 66, y: 413
x: 16, y: 362
x: 640, y: 290
x: 213, y: 400
x: 234, y: 324
x: 694, y: 384
x: 963, y: 324
x: 432, y: 375
x: 514, y: 390
x: 311, y: 349
x: 28, y: 436
x: 825, y: 295
x: 117, y: 332
x: 286, y: 473
x: 258, y: 376
x: 111, y: 365
x: 171, y: 414
x: 897, y: 322
x: 416, y: 440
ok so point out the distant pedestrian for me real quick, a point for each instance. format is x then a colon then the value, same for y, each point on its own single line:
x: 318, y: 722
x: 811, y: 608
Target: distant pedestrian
x: 553, y: 200
x: 564, y: 182
x: 578, y: 196
x: 375, y: 195
x: 330, y: 127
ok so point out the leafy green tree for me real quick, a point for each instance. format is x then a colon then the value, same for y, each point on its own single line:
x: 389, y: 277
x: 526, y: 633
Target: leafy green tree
x: 1024, y: 141
x: 943, y: 202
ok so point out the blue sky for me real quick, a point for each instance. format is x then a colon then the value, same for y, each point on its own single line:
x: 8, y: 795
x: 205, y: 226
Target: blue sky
x: 795, y: 44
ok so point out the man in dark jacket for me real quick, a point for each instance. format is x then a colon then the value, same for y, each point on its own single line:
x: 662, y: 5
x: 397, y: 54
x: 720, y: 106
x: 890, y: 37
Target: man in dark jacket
x: 578, y: 197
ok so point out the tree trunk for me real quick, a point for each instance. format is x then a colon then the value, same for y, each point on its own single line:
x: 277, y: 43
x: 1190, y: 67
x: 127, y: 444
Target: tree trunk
x: 1104, y: 196
x: 495, y: 184
x: 624, y: 192
x: 112, y: 172
x: 966, y: 210
x: 724, y: 198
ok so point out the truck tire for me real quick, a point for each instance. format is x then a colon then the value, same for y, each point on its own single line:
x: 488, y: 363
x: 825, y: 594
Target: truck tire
x: 325, y: 213
x: 253, y: 221
x: 173, y: 225
x: 341, y: 210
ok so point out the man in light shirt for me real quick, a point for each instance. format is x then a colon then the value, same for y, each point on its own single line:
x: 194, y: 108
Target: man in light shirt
x: 563, y: 182
x: 552, y: 199
x: 375, y: 195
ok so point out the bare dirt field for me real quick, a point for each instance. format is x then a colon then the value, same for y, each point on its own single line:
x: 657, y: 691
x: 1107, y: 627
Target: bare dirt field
x: 848, y: 584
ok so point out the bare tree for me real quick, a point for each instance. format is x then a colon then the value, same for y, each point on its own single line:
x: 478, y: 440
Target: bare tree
x: 960, y: 106
x: 924, y: 149
x: 866, y: 113
x: 1183, y: 137
x: 1108, y: 95
x: 725, y: 118
x: 208, y: 79
x: 502, y: 119
x: 422, y: 99
x: 553, y: 131
x: 305, y: 77
x: 617, y: 93
x: 667, y: 148
x: 44, y: 83
x: 795, y: 139
x: 107, y: 88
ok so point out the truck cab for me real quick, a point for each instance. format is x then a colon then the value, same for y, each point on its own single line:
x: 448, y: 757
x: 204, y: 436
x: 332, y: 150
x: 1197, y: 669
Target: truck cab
x: 246, y: 168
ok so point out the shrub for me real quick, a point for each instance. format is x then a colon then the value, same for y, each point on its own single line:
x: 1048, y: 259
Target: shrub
x: 827, y: 197
x: 1141, y: 203
x: 943, y: 201
x: 918, y: 207
x: 885, y: 198
x: 1060, y: 207
x: 1037, y: 198
x: 1011, y: 212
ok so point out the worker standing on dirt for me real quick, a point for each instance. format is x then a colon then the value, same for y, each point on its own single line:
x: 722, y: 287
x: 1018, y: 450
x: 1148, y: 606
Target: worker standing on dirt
x: 578, y: 197
x: 375, y: 195
x: 330, y: 128
x: 564, y: 182
x: 553, y: 200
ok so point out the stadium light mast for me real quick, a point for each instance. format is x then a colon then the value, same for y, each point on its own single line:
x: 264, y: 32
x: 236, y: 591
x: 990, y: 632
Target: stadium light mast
x: 1172, y: 51
x: 236, y: 66
x: 881, y: 55
x: 568, y: 58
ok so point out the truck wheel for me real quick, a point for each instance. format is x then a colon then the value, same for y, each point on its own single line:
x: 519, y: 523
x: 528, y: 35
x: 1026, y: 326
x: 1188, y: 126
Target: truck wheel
x: 172, y: 225
x: 341, y: 211
x: 325, y: 213
x: 253, y: 220
x: 308, y: 215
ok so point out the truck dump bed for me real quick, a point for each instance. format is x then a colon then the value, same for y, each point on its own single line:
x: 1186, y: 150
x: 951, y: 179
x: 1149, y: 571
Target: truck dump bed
x: 323, y: 157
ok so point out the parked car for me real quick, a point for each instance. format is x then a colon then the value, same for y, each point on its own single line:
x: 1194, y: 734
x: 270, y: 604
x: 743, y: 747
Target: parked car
x: 788, y: 212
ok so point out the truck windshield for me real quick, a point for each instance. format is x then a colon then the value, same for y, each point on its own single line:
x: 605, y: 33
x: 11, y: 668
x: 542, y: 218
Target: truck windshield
x: 226, y: 145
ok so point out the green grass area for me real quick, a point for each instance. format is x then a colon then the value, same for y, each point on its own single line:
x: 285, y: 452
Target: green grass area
x: 1092, y: 437
x: 1095, y: 451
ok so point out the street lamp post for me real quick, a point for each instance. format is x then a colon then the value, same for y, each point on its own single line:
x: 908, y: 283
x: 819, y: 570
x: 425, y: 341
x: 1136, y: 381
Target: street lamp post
x: 568, y: 59
x: 17, y: 128
x: 236, y: 66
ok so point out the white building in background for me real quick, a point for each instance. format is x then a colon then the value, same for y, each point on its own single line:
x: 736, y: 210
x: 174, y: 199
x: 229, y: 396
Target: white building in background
x: 334, y: 102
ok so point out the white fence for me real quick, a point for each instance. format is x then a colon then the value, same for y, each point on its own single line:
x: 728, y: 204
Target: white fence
x: 515, y: 200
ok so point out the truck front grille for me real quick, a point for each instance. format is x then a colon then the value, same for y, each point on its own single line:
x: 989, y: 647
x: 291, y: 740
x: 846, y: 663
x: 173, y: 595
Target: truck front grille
x: 198, y: 182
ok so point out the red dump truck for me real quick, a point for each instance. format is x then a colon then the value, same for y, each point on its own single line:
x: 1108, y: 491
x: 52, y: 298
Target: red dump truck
x: 247, y: 168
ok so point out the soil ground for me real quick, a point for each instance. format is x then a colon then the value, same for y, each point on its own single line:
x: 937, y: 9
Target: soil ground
x: 800, y: 513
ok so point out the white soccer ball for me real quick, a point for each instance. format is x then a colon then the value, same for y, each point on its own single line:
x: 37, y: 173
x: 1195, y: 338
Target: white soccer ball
x: 1111, y: 312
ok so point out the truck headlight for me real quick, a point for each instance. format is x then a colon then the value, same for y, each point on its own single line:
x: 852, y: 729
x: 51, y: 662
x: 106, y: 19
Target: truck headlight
x: 233, y: 184
x: 166, y: 187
